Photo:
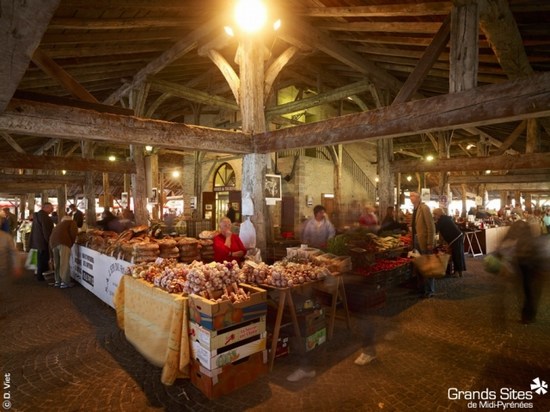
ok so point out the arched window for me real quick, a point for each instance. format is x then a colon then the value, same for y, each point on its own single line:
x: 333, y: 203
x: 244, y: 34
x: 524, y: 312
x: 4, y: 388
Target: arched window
x: 224, y: 178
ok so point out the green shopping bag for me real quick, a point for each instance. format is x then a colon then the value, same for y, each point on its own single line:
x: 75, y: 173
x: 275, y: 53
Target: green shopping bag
x: 32, y: 259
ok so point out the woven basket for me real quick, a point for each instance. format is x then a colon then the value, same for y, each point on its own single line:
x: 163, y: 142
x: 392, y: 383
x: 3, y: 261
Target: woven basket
x: 432, y: 266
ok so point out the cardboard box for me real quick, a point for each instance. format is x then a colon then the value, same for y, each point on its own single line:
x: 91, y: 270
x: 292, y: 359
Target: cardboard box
x: 212, y: 339
x: 283, y: 345
x: 223, y: 381
x: 212, y: 359
x: 219, y: 315
x: 311, y: 321
x: 316, y: 339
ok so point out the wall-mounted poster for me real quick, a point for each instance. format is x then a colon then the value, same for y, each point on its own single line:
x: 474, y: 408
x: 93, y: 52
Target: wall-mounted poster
x: 124, y: 199
x: 154, y: 196
x: 273, y: 190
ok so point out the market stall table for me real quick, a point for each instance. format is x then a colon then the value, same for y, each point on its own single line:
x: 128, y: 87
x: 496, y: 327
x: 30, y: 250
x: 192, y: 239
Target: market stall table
x: 332, y: 284
x: 155, y: 322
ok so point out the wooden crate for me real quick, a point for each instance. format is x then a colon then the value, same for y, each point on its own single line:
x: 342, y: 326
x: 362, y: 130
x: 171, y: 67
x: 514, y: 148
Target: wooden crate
x: 223, y: 381
x: 212, y: 359
x: 216, y: 339
x: 219, y: 315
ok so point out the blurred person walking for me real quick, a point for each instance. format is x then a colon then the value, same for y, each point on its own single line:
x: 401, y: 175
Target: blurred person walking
x: 61, y: 240
x: 41, y: 230
x: 9, y: 262
x: 525, y: 249
x: 423, y: 232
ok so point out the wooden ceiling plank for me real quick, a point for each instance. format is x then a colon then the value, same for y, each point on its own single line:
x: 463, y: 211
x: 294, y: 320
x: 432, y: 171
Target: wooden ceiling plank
x: 509, y: 101
x: 25, y: 23
x: 54, y: 180
x: 40, y: 119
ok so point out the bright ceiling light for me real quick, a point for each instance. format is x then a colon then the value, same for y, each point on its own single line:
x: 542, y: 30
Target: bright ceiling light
x: 487, y: 172
x: 277, y: 24
x: 429, y: 158
x: 376, y: 179
x: 250, y: 15
x: 112, y: 158
x: 470, y: 146
x: 64, y: 172
x: 149, y: 148
x: 229, y: 31
x: 409, y: 178
x: 176, y: 173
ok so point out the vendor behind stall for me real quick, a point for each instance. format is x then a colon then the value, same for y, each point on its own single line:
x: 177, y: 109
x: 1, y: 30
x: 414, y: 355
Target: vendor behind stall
x: 227, y: 245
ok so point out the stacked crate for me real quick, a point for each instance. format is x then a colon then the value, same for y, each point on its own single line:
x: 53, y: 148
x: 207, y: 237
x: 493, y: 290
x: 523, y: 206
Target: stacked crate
x: 228, y: 342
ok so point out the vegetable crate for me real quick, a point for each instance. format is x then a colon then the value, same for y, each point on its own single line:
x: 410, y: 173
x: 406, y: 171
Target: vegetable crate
x: 219, y: 315
x: 212, y: 359
x: 230, y: 377
x: 216, y: 339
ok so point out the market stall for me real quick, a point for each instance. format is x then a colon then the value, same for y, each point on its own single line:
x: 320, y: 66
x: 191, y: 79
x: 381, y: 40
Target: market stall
x: 155, y: 322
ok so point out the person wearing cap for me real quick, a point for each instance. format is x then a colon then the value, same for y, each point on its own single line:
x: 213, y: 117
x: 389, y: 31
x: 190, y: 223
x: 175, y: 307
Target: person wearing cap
x: 454, y: 238
x: 77, y: 215
x: 62, y: 239
x: 9, y: 263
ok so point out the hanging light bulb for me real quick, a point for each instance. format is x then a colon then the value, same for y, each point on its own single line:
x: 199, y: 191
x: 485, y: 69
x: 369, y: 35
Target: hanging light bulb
x: 250, y: 15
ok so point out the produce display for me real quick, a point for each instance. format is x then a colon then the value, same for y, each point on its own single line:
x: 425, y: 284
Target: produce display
x: 214, y: 281
x: 382, y: 265
x: 282, y: 274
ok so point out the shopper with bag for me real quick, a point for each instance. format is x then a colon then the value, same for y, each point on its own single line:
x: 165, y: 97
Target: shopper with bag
x: 423, y: 231
x: 62, y: 239
x: 454, y: 237
x: 9, y: 262
x: 42, y: 226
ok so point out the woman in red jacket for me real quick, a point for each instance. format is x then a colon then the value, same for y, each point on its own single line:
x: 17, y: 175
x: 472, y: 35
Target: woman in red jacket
x: 227, y: 245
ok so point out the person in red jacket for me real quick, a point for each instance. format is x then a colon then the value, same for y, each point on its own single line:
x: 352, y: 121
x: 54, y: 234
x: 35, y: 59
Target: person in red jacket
x: 227, y: 245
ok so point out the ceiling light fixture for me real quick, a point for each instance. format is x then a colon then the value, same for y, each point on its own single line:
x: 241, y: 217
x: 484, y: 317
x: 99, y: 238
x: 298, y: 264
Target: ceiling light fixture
x: 250, y: 15
x: 409, y: 178
x: 429, y: 158
x: 112, y: 158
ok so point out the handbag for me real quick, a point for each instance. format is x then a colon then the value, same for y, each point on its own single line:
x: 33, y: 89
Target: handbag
x: 432, y: 266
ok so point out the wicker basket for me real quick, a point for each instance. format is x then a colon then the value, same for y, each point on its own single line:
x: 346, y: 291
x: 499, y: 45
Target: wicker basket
x: 432, y: 266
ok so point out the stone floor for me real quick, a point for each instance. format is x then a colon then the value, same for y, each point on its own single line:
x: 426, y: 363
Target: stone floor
x: 61, y: 350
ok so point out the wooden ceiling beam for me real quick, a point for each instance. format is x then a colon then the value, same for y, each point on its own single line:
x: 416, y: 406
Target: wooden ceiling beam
x: 319, y: 99
x: 458, y: 164
x: 54, y: 180
x: 11, y: 141
x: 381, y: 27
x: 490, y: 179
x: 385, y: 10
x: 41, y: 119
x: 509, y: 101
x: 24, y: 161
x: 24, y: 24
x: 192, y: 95
x: 181, y: 48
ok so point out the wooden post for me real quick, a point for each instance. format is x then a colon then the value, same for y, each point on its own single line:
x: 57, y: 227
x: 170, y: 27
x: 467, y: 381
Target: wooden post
x: 338, y: 186
x: 464, y: 198
x: 106, y: 192
x: 61, y: 202
x: 139, y: 191
x: 251, y: 66
x: 89, y: 185
x: 464, y: 53
x: 154, y: 157
x: 22, y: 207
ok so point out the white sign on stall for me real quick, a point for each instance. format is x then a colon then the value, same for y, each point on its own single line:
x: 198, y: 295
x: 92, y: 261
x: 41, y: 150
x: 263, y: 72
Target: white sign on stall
x: 98, y: 273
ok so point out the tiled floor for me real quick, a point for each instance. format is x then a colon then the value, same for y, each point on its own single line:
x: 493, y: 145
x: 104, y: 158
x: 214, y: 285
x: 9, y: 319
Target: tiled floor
x: 61, y: 350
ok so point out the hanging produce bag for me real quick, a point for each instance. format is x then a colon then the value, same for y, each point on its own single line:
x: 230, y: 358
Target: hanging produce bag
x: 247, y: 234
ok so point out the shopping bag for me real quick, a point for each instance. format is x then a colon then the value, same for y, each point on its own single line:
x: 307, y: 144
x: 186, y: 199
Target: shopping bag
x: 247, y: 234
x: 432, y: 266
x: 32, y: 259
